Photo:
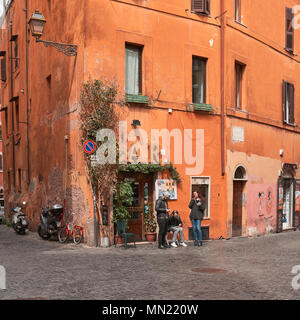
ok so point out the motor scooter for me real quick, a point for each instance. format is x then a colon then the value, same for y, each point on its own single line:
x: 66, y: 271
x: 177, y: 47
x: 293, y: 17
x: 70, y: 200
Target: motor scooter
x: 19, y: 221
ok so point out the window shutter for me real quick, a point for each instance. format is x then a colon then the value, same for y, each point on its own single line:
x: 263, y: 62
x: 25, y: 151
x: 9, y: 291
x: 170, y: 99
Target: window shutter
x: 16, y: 55
x: 284, y: 96
x: 3, y: 69
x: 291, y: 104
x: 207, y: 6
x: 289, y: 45
x: 201, y: 6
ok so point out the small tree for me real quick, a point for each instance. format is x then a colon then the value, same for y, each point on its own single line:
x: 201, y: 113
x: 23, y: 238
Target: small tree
x: 123, y: 198
x: 149, y: 219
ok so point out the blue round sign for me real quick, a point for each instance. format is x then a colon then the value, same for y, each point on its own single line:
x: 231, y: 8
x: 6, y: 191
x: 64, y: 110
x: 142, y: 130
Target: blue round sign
x: 89, y: 146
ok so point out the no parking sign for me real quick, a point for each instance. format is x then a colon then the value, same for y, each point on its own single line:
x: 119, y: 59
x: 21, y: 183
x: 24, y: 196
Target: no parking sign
x: 89, y: 146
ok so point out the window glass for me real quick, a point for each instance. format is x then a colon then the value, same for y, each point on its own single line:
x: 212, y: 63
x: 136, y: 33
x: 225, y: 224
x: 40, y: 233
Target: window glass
x: 199, y: 80
x: 132, y: 72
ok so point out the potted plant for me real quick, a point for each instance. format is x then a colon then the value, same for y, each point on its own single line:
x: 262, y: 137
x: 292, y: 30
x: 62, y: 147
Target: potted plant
x: 150, y: 224
x: 123, y: 198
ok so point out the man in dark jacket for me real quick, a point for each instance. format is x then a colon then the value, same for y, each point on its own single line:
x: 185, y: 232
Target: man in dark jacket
x: 161, y: 208
x: 175, y: 225
x: 197, y: 207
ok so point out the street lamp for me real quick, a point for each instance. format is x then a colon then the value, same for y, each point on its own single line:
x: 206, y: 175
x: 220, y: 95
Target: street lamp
x: 37, y: 23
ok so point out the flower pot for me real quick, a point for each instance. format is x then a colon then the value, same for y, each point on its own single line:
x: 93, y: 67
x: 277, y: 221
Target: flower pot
x: 150, y: 236
x: 120, y: 241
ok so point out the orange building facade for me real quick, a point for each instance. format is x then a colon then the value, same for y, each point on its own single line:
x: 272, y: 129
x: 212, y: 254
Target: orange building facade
x: 222, y: 74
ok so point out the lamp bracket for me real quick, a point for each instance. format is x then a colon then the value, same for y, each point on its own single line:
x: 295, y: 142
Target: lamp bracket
x: 67, y: 49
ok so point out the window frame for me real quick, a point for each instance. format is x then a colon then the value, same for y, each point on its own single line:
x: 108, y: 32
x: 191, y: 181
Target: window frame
x: 238, y: 5
x: 289, y: 15
x: 140, y: 49
x: 288, y: 90
x: 207, y: 179
x: 201, y: 7
x: 242, y: 66
x: 1, y: 161
x: 205, y: 60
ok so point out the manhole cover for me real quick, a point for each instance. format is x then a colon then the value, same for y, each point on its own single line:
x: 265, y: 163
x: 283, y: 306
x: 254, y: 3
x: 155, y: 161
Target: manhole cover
x: 209, y: 270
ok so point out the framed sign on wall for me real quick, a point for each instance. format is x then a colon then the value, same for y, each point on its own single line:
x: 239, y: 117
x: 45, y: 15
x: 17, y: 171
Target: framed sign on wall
x: 166, y: 185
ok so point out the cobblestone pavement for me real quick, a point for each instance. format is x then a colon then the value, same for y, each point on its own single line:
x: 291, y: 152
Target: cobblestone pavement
x: 256, y: 268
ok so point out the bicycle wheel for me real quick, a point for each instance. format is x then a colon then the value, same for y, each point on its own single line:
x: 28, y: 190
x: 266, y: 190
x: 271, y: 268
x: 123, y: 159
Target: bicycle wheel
x: 63, y: 235
x: 77, y: 235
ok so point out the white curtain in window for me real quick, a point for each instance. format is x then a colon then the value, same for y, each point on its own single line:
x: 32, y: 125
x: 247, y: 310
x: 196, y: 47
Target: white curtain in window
x: 132, y: 71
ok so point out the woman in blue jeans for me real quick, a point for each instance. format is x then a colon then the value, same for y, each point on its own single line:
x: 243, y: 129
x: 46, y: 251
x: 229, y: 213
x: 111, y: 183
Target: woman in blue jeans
x: 197, y: 207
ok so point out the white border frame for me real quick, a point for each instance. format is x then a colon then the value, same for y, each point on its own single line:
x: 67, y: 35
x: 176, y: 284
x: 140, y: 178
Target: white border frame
x: 209, y: 190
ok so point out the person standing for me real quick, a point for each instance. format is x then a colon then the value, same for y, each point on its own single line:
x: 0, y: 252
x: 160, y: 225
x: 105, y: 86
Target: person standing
x: 197, y: 207
x: 162, y: 210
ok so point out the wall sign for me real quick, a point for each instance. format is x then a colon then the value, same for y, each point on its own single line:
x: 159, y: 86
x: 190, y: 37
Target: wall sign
x: 166, y: 185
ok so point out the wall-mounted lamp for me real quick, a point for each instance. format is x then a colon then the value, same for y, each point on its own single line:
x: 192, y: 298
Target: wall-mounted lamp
x: 136, y: 123
x: 37, y: 23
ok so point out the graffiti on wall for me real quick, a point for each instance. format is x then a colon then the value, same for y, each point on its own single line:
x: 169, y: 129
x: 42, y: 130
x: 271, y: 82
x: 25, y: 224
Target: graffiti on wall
x: 261, y: 207
x: 265, y: 201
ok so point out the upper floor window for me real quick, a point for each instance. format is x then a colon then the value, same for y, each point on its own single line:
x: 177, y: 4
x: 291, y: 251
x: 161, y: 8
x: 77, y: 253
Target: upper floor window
x: 238, y: 11
x: 239, y: 72
x: 3, y: 66
x: 133, y: 69
x: 288, y: 102
x: 289, y: 31
x: 1, y: 162
x: 200, y: 6
x: 199, y: 80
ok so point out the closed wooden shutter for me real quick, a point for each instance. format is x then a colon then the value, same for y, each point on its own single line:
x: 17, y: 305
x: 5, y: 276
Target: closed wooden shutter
x: 284, y: 97
x: 291, y: 103
x: 289, y: 45
x: 3, y: 69
x: 207, y: 6
x: 200, y: 6
x: 16, y: 55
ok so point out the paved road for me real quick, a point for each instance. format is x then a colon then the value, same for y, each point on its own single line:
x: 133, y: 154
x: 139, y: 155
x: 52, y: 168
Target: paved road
x: 257, y: 268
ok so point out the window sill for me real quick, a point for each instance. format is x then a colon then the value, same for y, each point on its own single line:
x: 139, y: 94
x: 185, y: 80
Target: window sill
x: 289, y: 51
x: 240, y: 23
x: 131, y: 98
x: 201, y: 107
x: 290, y: 124
x: 202, y: 14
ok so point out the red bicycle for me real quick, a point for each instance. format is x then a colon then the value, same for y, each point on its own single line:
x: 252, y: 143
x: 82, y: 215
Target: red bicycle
x: 70, y: 230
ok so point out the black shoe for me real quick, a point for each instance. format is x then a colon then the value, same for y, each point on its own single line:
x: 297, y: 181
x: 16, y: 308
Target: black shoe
x: 162, y: 247
x: 200, y: 243
x: 167, y: 246
x: 195, y: 243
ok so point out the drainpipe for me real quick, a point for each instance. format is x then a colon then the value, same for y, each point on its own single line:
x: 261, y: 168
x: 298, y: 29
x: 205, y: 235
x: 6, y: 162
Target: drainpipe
x: 27, y: 90
x: 95, y: 218
x: 223, y: 22
x: 12, y: 106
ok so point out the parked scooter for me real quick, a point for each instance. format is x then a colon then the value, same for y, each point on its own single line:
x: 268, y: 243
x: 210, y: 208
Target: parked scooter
x: 19, y: 221
x: 51, y: 219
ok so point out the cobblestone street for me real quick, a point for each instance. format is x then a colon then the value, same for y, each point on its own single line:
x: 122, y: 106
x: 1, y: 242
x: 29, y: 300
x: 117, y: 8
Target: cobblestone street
x: 258, y: 268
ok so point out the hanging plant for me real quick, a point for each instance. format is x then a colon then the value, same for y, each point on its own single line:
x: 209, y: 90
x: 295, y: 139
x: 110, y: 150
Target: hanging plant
x: 147, y: 168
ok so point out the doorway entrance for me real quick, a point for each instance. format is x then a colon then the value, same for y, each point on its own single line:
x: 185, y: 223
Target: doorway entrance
x: 239, y: 182
x: 142, y: 186
x: 287, y: 193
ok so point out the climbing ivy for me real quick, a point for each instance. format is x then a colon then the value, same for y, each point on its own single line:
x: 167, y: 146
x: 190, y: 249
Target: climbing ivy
x: 147, y: 168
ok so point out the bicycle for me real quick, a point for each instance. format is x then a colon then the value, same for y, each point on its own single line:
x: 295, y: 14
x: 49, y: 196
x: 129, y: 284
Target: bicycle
x: 69, y: 230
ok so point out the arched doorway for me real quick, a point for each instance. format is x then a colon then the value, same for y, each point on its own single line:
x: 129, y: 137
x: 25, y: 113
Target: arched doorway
x: 239, y: 182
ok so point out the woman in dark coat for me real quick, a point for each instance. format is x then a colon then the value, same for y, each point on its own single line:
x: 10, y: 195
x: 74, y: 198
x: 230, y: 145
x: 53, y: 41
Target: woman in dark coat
x: 197, y: 207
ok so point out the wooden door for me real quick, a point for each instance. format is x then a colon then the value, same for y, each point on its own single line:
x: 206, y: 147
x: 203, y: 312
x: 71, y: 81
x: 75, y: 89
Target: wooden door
x: 143, y: 194
x: 237, y: 208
